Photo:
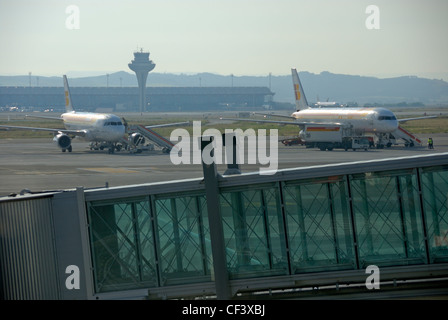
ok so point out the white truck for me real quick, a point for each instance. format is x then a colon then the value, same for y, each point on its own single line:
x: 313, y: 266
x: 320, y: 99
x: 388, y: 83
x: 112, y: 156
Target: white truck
x: 328, y: 137
x: 355, y: 143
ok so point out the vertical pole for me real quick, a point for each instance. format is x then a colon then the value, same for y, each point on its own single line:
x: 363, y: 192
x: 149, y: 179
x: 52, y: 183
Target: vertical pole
x: 176, y: 236
x: 423, y: 214
x: 333, y: 222
x: 231, y: 150
x: 415, y: 231
x: 283, y: 223
x: 215, y: 224
x: 345, y: 211
x: 366, y: 213
x: 86, y: 249
x: 301, y: 218
x: 352, y: 217
x: 402, y: 215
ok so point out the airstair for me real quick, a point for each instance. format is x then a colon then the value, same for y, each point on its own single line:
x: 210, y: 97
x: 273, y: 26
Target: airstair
x: 159, y: 140
x: 410, y: 139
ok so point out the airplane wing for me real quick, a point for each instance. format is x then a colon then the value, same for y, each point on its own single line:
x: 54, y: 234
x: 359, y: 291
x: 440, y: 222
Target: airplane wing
x: 419, y: 118
x: 295, y: 123
x: 274, y: 115
x: 168, y: 125
x: 44, y: 117
x: 81, y: 133
x: 268, y: 121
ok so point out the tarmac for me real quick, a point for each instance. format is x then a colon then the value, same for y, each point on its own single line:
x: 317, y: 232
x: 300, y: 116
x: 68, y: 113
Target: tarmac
x: 39, y: 165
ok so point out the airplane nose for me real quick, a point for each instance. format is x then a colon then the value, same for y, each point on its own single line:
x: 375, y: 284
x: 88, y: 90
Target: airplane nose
x: 116, y: 133
x: 393, y: 125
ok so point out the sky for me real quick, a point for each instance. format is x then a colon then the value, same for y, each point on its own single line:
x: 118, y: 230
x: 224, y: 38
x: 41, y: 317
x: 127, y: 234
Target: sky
x: 239, y: 37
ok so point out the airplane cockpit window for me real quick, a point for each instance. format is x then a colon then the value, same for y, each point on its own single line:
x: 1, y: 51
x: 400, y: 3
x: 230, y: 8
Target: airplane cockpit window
x: 387, y: 118
x: 113, y: 123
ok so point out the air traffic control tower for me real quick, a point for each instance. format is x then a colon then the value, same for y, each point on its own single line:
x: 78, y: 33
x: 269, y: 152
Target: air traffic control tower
x: 141, y: 65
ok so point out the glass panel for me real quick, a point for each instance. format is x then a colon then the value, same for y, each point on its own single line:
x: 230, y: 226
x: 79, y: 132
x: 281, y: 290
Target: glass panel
x: 381, y: 219
x: 146, y: 243
x: 275, y: 231
x: 117, y: 246
x: 319, y: 226
x: 435, y: 200
x: 253, y: 233
x: 342, y: 224
x: 184, y: 245
x: 412, y: 216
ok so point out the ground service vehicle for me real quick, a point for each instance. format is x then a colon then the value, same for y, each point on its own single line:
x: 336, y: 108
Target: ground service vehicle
x: 355, y: 143
x: 293, y: 141
x: 328, y: 137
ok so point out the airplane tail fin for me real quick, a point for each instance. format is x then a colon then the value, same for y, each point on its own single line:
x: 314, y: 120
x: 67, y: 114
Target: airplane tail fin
x: 300, y: 98
x: 68, y: 99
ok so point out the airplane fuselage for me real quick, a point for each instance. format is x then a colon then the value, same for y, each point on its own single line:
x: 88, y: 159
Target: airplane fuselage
x: 98, y: 126
x: 368, y: 120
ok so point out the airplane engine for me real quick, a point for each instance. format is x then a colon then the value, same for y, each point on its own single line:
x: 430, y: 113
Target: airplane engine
x: 63, y: 141
x: 136, y: 139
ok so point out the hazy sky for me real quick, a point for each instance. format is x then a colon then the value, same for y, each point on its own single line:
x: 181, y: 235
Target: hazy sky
x: 240, y: 37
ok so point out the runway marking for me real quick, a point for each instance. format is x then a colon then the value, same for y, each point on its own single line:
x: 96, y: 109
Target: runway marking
x: 110, y: 170
x: 38, y: 173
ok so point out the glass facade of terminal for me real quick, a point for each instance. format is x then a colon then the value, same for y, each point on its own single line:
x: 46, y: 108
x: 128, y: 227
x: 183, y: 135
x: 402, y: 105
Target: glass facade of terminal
x: 344, y: 222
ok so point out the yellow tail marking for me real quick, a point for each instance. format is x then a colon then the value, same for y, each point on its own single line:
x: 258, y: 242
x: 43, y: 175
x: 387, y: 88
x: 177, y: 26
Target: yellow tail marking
x: 297, y: 91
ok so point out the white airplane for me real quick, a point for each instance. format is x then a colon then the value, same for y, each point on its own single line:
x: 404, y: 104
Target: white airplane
x: 102, y: 130
x: 327, y: 104
x: 378, y: 121
x: 107, y: 129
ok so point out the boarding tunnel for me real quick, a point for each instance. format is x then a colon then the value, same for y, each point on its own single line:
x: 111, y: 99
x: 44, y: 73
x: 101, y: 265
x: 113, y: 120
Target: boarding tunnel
x: 303, y: 227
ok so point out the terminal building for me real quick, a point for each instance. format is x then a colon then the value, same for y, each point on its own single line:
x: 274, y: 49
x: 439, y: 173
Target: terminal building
x: 234, y: 236
x: 127, y: 99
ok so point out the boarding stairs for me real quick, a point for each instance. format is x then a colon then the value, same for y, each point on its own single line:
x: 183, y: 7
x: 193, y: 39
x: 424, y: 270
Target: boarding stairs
x: 159, y: 140
x: 409, y: 138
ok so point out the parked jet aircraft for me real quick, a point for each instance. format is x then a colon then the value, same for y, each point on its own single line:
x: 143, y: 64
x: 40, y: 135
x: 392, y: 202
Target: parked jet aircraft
x: 377, y: 121
x: 103, y: 130
x: 327, y: 104
x: 93, y: 127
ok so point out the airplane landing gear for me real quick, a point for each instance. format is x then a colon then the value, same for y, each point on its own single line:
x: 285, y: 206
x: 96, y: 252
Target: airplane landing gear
x: 111, y: 147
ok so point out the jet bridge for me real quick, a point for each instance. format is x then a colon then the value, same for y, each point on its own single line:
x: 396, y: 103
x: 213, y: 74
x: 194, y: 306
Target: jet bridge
x: 235, y: 236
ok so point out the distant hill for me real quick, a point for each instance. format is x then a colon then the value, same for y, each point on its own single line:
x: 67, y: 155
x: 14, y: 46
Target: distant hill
x: 326, y: 85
